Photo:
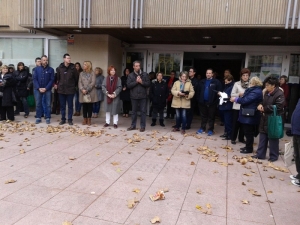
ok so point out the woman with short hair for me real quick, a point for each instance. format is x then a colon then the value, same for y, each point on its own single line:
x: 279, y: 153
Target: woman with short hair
x: 111, y: 87
x: 182, y: 92
x: 249, y: 116
x: 87, y: 91
x: 273, y: 96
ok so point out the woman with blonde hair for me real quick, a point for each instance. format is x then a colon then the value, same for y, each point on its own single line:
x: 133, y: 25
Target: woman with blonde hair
x: 111, y: 87
x: 249, y: 116
x: 182, y: 92
x: 87, y: 91
x: 100, y: 95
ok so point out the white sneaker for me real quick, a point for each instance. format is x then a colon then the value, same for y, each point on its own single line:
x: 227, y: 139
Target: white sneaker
x: 293, y: 177
x: 296, y: 182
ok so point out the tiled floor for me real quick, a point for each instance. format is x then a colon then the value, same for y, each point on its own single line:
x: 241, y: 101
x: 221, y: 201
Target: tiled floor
x: 87, y: 180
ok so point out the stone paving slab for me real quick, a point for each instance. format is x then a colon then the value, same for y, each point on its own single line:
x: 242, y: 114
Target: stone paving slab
x: 87, y: 180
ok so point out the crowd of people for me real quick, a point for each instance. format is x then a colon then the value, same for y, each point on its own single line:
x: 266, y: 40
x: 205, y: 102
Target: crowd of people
x: 243, y: 106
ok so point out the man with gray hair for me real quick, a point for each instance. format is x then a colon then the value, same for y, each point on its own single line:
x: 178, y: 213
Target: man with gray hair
x: 138, y: 82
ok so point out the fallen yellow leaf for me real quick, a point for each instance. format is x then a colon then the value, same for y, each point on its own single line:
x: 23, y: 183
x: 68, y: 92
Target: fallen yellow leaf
x: 245, y: 202
x: 136, y: 190
x: 10, y: 181
x: 192, y: 163
x: 66, y: 223
x: 155, y: 220
x: 115, y: 163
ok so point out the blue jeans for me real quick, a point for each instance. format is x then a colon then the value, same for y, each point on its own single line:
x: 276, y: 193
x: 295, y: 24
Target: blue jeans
x: 228, y: 121
x: 63, y: 100
x: 181, y: 118
x: 96, y: 107
x: 77, y: 103
x: 46, y: 97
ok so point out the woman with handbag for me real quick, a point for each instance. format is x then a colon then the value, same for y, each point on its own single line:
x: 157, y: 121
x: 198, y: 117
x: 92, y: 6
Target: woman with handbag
x: 7, y: 95
x: 238, y: 91
x: 182, y: 92
x: 112, y: 87
x: 249, y: 116
x: 273, y: 96
x: 87, y: 91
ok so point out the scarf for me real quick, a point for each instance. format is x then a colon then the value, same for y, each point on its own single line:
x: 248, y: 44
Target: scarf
x: 111, y: 84
x: 244, y: 84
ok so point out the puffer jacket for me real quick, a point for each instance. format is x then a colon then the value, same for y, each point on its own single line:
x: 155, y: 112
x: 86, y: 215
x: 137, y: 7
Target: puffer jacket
x: 274, y: 98
x: 137, y: 90
x: 181, y: 101
x: 21, y: 78
x: 251, y: 99
x: 67, y: 79
x: 158, y: 94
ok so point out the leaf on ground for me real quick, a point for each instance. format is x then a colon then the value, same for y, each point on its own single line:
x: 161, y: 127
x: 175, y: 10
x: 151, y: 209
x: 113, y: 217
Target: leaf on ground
x: 245, y: 202
x: 270, y: 192
x: 28, y: 143
x: 269, y: 201
x: 140, y: 178
x: 272, y: 177
x: 247, y: 174
x: 10, y: 181
x: 136, y: 190
x: 118, y: 170
x: 199, y: 191
x: 208, y: 206
x: 131, y: 203
x: 155, y: 220
x: 281, y: 179
x: 243, y: 183
x: 130, y: 141
x: 168, y: 159
x: 192, y: 163
x: 243, y: 161
x: 198, y: 207
x: 22, y: 151
x: 252, y: 171
x: 160, y: 195
x: 189, y: 153
x: 66, y: 223
x: 159, y: 154
x: 115, y: 163
x: 254, y: 193
x: 72, y: 158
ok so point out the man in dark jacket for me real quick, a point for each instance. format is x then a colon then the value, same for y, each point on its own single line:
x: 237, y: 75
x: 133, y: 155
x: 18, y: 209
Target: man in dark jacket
x: 158, y: 95
x: 138, y: 82
x: 296, y: 141
x: 67, y: 81
x: 207, y: 96
x: 191, y: 111
x: 42, y: 82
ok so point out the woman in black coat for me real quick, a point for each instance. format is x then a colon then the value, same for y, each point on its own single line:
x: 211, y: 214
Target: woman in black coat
x: 158, y: 95
x: 125, y: 93
x: 7, y: 96
x: 21, y: 77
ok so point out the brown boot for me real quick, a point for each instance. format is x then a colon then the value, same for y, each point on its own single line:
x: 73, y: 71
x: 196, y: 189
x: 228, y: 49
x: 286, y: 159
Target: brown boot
x: 84, y: 122
x: 89, y: 121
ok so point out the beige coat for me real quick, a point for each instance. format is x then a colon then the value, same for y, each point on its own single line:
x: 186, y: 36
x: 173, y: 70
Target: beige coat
x: 182, y: 102
x: 236, y: 90
x: 87, y: 81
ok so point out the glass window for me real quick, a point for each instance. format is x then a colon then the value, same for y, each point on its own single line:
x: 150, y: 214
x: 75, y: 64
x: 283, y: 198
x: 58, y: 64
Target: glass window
x: 294, y: 71
x: 265, y: 65
x: 14, y: 50
x: 166, y: 62
x: 57, y: 48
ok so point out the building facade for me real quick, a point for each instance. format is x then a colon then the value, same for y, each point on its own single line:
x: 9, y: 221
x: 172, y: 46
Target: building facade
x: 164, y: 34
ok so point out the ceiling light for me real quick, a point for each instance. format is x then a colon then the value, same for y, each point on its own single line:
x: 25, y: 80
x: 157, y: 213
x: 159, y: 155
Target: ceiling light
x: 77, y: 30
x: 276, y: 38
x: 147, y: 36
x: 206, y: 37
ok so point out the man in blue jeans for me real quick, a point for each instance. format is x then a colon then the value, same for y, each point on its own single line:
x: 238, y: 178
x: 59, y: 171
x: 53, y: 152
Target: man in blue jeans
x: 67, y: 81
x: 43, y: 81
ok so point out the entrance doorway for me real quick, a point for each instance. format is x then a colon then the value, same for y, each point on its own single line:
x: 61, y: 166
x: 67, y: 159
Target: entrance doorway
x: 219, y: 62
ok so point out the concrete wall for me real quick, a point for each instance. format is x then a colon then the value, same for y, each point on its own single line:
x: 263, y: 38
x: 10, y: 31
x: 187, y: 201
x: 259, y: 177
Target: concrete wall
x: 115, y: 52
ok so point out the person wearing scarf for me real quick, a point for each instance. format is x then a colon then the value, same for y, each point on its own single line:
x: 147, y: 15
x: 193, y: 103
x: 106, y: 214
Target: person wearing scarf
x: 112, y: 87
x: 238, y: 91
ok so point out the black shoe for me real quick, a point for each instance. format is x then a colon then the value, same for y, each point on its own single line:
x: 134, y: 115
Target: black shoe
x: 226, y: 138
x: 223, y: 135
x: 221, y: 124
x: 233, y: 142
x: 62, y: 122
x: 272, y: 160
x: 187, y: 128
x: 244, y: 148
x: 131, y: 128
x: 70, y: 123
x: 256, y: 157
x: 161, y: 123
x: 246, y: 151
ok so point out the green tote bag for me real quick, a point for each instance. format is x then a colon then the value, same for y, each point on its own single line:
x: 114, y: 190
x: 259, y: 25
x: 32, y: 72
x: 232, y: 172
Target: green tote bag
x: 275, y: 126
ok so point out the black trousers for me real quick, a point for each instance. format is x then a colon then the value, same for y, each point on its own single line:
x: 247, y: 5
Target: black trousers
x: 139, y: 105
x: 208, y: 113
x: 190, y: 113
x: 236, y: 127
x: 87, y: 109
x: 159, y: 111
x: 170, y: 110
x: 55, y: 104
x: 126, y: 107
x: 249, y: 131
x: 296, y: 142
x: 263, y: 146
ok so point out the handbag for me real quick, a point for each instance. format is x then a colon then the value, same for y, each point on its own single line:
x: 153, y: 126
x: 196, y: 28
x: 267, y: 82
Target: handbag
x: 30, y: 101
x: 288, y: 154
x: 248, y: 112
x: 275, y: 126
x: 87, y: 98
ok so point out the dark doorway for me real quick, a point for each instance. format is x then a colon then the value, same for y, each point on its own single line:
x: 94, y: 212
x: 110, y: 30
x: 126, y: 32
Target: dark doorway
x: 218, y: 66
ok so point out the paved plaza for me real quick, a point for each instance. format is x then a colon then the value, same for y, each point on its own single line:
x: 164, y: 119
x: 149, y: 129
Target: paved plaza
x: 104, y: 176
